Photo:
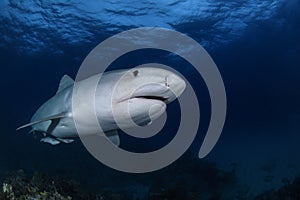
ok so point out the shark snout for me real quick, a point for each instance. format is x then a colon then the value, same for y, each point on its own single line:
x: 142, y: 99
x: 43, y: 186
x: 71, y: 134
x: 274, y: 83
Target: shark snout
x: 175, y: 84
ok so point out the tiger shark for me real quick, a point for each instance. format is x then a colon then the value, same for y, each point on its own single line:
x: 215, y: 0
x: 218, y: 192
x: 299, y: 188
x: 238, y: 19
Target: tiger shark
x: 142, y: 92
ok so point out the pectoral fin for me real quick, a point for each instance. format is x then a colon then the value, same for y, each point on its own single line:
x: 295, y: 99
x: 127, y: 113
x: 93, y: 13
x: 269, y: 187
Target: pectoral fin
x: 113, y: 136
x: 54, y: 118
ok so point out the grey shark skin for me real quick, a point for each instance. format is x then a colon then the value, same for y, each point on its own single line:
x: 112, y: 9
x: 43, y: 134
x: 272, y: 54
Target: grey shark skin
x: 136, y: 95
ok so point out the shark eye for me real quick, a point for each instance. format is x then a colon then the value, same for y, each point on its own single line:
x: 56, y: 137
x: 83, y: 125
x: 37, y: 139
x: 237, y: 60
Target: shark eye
x: 135, y: 72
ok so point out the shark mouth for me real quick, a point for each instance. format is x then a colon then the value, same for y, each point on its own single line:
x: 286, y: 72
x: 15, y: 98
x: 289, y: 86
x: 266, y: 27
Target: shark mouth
x: 159, y: 98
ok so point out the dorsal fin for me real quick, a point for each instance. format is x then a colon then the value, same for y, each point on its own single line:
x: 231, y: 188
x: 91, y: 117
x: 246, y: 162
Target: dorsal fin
x: 65, y: 82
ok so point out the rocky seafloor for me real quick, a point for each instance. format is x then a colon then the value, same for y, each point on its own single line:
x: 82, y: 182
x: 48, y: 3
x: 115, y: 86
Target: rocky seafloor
x: 197, y: 181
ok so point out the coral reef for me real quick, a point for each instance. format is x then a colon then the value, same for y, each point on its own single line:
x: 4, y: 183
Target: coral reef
x: 289, y: 191
x: 190, y: 180
x: 19, y: 186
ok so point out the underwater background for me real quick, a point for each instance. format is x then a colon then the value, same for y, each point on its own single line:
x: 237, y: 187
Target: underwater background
x: 256, y: 46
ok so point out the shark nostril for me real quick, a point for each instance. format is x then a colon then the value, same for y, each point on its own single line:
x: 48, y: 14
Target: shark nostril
x: 166, y: 82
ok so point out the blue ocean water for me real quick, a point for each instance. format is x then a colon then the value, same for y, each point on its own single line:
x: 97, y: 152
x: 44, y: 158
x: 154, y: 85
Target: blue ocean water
x: 255, y: 45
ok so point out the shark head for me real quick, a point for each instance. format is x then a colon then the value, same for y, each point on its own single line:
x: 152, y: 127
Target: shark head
x: 139, y: 95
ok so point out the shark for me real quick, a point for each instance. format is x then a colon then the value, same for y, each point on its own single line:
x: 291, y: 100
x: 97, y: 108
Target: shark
x: 125, y: 98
